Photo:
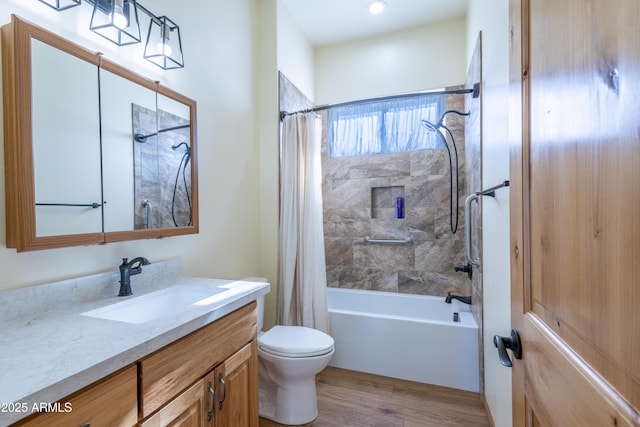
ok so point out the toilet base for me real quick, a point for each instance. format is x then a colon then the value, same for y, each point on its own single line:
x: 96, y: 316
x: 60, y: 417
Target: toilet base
x: 287, y: 387
x: 294, y: 405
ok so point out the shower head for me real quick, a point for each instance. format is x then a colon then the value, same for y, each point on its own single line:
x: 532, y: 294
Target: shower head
x: 435, y: 127
x: 430, y: 126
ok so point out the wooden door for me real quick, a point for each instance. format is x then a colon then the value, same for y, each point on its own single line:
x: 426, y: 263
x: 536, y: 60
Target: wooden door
x: 575, y: 211
x: 237, y: 389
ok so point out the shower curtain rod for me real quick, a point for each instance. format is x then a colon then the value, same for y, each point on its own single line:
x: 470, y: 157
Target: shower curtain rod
x: 475, y: 91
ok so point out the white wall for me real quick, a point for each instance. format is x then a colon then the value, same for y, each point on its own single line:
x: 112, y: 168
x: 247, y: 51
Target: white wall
x: 426, y: 57
x: 218, y: 42
x: 492, y: 18
x: 267, y: 121
x: 295, y: 53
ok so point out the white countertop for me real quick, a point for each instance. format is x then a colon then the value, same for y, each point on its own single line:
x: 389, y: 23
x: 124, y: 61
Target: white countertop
x: 49, y: 350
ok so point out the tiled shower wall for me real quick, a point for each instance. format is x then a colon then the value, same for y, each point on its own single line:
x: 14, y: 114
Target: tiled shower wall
x: 359, y: 199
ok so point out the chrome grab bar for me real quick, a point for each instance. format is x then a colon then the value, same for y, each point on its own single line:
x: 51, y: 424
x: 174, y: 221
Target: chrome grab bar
x: 491, y: 192
x: 405, y: 241
x: 467, y: 229
x: 149, y: 207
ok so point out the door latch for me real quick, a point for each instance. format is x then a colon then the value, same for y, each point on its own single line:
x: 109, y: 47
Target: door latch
x: 512, y: 343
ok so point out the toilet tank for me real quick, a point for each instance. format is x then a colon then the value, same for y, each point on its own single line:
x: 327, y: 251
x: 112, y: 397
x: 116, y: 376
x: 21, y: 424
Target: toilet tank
x: 259, y: 300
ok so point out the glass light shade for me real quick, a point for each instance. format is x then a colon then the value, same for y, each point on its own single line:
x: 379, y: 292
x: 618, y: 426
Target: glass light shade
x: 164, y: 46
x: 116, y: 21
x: 61, y: 4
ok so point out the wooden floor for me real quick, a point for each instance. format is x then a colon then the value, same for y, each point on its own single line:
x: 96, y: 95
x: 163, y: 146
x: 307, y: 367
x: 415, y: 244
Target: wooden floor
x: 355, y: 399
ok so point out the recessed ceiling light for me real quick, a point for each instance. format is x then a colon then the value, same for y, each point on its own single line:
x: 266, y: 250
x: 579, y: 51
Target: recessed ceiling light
x: 376, y: 7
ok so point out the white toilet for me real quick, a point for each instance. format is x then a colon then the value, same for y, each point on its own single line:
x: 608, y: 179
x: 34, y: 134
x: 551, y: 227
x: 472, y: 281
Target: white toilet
x: 289, y: 359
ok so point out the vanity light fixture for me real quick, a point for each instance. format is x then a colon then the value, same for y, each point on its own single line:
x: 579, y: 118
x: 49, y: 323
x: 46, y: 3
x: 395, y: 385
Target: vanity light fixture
x: 164, y: 46
x: 117, y: 21
x: 61, y: 4
x: 377, y: 7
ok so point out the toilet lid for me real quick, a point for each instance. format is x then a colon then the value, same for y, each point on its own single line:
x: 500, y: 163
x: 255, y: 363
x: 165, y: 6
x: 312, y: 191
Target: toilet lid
x: 295, y: 341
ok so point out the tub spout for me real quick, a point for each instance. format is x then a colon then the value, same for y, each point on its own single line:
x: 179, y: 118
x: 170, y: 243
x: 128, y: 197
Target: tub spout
x: 466, y: 300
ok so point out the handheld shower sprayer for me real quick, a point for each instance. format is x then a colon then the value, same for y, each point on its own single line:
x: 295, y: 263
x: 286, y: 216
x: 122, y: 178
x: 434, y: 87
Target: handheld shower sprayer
x: 182, y: 168
x: 435, y: 127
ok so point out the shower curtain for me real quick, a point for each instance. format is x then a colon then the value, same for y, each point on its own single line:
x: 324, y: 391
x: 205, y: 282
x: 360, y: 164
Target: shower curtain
x: 302, y: 282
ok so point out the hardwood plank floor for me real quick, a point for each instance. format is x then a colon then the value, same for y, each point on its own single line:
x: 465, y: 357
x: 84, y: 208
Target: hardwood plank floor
x: 356, y: 399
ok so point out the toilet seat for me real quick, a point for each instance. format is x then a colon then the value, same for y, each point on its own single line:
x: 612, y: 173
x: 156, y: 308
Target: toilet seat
x: 295, y: 341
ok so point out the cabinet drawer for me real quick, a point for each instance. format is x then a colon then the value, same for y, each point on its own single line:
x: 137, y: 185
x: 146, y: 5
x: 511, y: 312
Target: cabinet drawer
x: 170, y: 370
x: 108, y: 403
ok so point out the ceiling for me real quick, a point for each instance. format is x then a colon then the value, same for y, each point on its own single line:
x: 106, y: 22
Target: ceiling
x: 327, y: 22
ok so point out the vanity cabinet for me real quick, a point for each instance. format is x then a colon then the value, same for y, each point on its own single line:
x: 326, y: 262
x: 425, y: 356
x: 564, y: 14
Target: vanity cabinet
x: 109, y: 402
x: 221, y: 357
x: 206, y: 378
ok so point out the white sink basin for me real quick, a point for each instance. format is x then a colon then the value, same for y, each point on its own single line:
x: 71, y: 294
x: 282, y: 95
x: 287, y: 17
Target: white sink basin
x: 156, y: 304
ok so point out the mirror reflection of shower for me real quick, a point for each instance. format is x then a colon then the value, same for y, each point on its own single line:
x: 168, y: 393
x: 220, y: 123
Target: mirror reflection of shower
x: 162, y: 155
x: 436, y: 127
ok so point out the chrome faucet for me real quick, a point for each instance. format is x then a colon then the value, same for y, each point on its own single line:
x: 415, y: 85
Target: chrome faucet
x: 127, y: 270
x: 466, y: 300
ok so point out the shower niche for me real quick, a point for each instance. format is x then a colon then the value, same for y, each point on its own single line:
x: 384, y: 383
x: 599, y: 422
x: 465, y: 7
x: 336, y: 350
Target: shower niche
x: 388, y: 202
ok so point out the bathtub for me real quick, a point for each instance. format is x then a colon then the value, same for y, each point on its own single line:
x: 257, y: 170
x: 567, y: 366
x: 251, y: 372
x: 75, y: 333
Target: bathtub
x: 411, y: 337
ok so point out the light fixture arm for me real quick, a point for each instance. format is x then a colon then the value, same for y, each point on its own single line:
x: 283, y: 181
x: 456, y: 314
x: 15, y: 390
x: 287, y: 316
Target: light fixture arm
x: 147, y: 12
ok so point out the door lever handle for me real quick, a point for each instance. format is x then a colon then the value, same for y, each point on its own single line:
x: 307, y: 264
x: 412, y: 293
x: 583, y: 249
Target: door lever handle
x: 512, y: 343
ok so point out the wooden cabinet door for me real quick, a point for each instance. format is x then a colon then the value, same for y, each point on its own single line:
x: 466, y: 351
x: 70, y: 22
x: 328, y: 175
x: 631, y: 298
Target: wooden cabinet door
x: 192, y: 408
x: 237, y: 389
x: 575, y: 211
x: 110, y: 402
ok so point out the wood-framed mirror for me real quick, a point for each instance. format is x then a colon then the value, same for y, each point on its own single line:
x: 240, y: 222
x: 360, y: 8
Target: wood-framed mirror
x: 94, y: 152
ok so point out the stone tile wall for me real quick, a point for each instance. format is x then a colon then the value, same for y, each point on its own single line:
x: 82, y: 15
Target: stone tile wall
x: 156, y: 165
x: 359, y: 198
